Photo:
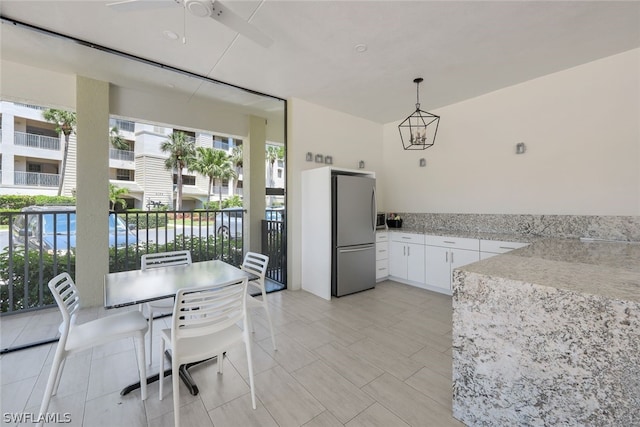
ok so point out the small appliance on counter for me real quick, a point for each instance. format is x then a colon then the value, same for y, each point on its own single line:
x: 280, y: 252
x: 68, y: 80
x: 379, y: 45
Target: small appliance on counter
x: 381, y: 221
x: 394, y: 221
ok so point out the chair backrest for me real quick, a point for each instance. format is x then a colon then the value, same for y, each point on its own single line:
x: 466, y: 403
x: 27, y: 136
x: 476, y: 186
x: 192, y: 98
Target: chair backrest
x: 165, y: 259
x: 206, y: 310
x: 257, y: 264
x: 66, y: 295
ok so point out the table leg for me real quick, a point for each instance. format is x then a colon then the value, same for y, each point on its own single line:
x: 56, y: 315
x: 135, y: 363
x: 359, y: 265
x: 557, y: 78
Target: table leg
x: 186, y: 377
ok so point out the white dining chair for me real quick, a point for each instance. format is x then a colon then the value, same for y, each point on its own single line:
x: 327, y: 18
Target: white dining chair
x: 204, y: 325
x: 257, y: 264
x: 78, y: 337
x: 165, y: 306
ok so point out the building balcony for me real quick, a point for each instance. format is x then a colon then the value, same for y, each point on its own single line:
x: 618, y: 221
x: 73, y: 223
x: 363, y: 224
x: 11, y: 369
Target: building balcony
x: 36, y: 141
x: 35, y: 179
x: 124, y: 155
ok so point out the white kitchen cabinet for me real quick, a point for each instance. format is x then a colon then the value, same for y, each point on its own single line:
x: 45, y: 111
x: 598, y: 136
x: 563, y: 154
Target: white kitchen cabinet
x: 443, y: 255
x: 490, y: 248
x: 406, y: 257
x: 382, y: 255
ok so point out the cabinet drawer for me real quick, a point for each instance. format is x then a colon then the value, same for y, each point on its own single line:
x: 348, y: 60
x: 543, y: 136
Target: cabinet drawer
x: 408, y: 238
x: 382, y: 236
x: 382, y: 250
x: 499, y: 247
x: 453, y: 242
x: 382, y: 268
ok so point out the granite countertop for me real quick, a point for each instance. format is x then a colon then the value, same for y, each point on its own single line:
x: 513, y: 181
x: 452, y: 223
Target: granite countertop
x: 505, y: 237
x: 608, y: 269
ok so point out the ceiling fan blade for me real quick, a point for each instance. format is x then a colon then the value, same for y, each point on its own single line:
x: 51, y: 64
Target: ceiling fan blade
x: 227, y: 17
x: 131, y: 5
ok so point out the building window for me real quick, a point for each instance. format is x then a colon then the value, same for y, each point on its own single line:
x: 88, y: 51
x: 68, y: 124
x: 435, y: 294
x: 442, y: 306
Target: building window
x: 124, y: 175
x: 186, y: 179
x: 34, y: 167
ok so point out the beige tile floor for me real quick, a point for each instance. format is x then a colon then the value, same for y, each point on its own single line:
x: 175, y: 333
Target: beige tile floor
x: 377, y: 358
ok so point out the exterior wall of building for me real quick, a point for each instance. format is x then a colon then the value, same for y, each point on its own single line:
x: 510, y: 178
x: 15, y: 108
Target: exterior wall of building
x: 151, y: 180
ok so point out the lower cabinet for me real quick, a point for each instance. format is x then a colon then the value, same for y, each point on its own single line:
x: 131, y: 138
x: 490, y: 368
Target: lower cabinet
x: 406, y: 257
x: 382, y: 256
x: 428, y: 261
x: 442, y: 259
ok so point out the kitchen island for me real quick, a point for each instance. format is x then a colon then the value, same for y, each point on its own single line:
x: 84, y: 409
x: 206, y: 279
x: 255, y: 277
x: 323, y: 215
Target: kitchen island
x: 549, y: 335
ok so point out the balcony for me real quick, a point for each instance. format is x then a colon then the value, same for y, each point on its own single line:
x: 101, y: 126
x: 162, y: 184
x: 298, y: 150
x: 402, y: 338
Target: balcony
x: 36, y: 141
x: 36, y: 179
x: 125, y: 155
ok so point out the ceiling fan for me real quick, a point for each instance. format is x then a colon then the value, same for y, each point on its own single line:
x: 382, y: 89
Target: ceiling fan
x: 202, y: 9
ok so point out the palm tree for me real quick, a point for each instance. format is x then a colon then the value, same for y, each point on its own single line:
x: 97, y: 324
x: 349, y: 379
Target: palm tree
x: 65, y: 122
x: 273, y: 154
x: 115, y: 196
x: 214, y: 164
x: 117, y: 141
x: 237, y: 160
x: 181, y: 151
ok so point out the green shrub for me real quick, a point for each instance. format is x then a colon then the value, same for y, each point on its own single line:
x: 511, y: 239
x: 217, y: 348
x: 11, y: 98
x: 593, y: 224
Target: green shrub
x: 12, y: 266
x: 19, y: 201
x: 30, y: 297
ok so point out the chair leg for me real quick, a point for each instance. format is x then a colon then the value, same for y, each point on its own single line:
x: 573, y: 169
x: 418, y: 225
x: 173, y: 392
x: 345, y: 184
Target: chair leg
x: 142, y: 368
x: 273, y: 337
x: 54, y: 375
x: 175, y: 383
x: 250, y: 321
x: 247, y: 343
x: 150, y: 335
x: 220, y: 361
x: 57, y: 383
x: 161, y: 373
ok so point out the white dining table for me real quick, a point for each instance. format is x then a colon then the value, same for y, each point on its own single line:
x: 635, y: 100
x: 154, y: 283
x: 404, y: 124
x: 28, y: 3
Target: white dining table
x: 137, y: 286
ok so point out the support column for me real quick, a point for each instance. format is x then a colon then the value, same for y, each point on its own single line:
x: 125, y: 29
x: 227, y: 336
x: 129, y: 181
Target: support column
x: 92, y: 236
x: 254, y: 182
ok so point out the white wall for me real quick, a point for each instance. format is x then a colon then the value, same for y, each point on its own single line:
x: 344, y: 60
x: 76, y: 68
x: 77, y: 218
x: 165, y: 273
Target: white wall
x: 319, y: 130
x: 581, y: 127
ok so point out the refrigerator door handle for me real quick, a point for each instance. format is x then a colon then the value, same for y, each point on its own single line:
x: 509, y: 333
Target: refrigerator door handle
x: 374, y: 209
x: 358, y: 249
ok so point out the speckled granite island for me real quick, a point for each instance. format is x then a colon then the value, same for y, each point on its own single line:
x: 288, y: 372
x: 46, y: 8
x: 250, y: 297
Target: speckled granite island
x: 549, y: 335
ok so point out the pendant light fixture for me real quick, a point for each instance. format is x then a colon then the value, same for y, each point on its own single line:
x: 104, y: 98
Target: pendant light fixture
x: 418, y: 131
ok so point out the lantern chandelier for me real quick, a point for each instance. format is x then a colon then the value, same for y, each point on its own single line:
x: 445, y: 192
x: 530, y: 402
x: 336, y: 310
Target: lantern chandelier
x: 418, y: 131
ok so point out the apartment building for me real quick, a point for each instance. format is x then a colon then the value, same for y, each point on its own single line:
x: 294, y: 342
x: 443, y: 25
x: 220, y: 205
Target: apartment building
x: 31, y: 154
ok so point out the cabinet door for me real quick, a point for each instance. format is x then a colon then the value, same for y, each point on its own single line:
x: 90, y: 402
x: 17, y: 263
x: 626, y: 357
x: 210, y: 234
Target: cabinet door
x: 438, y: 272
x: 415, y: 262
x: 397, y: 259
x: 460, y: 257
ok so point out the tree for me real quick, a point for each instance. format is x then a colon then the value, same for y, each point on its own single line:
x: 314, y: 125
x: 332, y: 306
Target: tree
x: 273, y: 154
x: 65, y: 122
x: 237, y: 159
x: 115, y: 196
x: 214, y: 164
x: 182, y: 151
x: 117, y: 141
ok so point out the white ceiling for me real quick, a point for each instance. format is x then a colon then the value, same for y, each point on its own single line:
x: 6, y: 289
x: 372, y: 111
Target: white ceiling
x: 461, y: 48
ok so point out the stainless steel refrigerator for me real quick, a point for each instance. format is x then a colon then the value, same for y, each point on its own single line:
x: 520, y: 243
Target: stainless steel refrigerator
x: 353, y: 205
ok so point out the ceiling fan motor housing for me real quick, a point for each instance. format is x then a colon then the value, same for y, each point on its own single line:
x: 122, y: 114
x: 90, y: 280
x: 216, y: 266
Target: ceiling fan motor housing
x: 201, y: 8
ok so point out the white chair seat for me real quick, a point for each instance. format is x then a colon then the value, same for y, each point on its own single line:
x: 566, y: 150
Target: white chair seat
x: 196, y: 349
x: 104, y: 330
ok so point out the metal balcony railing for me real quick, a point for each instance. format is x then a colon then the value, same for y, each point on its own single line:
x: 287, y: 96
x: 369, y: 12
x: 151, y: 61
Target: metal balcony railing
x: 36, y: 141
x: 125, y: 155
x: 124, y: 125
x: 36, y: 179
x: 40, y: 245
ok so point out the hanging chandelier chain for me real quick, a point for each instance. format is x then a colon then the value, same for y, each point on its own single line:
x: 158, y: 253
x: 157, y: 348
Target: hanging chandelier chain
x: 417, y: 82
